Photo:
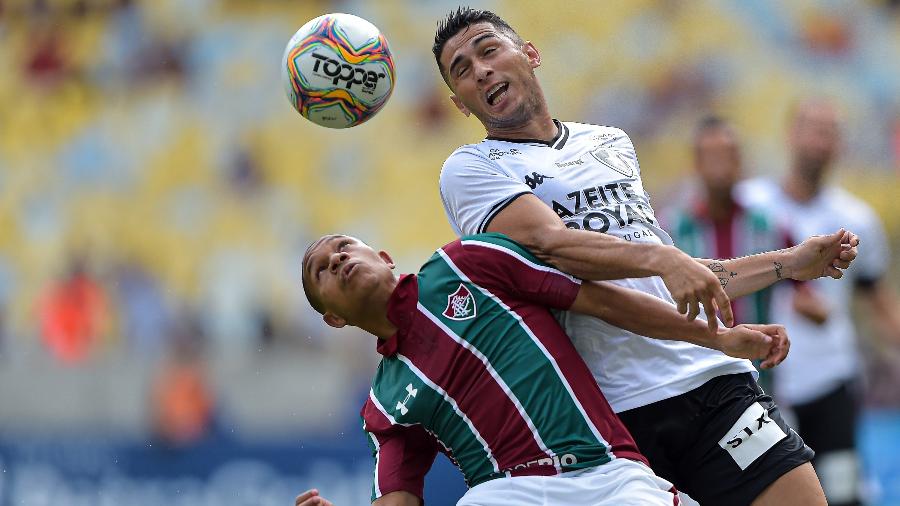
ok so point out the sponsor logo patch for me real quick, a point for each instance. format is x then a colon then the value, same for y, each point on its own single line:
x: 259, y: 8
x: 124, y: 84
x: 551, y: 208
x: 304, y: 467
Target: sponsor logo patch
x: 751, y: 436
x: 615, y: 161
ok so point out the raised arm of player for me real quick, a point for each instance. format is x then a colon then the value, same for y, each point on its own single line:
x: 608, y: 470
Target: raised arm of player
x: 650, y: 316
x: 589, y: 255
x: 818, y: 256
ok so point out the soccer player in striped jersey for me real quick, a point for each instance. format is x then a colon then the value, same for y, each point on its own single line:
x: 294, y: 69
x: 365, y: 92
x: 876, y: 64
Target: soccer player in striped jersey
x: 475, y: 366
x: 712, y: 224
x: 549, y: 185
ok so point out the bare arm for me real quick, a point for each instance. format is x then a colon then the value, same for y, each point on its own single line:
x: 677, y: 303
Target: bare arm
x: 589, y: 255
x: 650, y: 316
x: 818, y: 256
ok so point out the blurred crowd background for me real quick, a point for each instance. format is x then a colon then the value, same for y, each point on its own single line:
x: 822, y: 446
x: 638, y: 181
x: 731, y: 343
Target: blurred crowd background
x: 157, y: 192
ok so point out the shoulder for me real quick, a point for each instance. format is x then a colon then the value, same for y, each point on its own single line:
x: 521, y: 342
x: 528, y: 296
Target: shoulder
x: 603, y: 133
x: 466, y: 159
x: 498, y: 246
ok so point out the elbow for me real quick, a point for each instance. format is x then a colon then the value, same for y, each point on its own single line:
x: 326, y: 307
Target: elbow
x: 544, y: 241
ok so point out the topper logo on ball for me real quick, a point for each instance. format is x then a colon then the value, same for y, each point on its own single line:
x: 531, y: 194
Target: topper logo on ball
x: 352, y: 74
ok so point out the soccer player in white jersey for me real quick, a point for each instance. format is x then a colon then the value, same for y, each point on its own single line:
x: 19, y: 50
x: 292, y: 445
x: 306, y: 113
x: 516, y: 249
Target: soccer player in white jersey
x: 819, y: 382
x: 550, y: 185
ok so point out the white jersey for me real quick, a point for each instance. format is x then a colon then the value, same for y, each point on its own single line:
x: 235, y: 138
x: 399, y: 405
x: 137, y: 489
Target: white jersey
x: 589, y: 175
x: 822, y: 356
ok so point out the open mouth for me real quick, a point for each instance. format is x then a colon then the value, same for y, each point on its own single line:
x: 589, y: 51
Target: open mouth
x: 347, y: 271
x: 496, y: 93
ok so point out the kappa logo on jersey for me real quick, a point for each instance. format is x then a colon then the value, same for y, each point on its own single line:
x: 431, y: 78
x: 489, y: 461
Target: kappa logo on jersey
x: 535, y: 180
x: 460, y: 304
x: 495, y: 154
x: 410, y: 393
x: 615, y: 161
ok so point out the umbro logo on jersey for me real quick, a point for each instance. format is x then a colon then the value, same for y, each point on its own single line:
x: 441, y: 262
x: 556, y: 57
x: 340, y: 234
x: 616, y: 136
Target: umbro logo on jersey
x: 615, y: 161
x: 495, y: 153
x: 535, y: 180
x: 460, y: 304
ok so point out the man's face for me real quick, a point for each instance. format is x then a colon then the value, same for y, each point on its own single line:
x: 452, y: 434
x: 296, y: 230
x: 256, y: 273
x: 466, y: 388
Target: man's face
x: 343, y: 273
x: 814, y: 137
x: 718, y: 160
x: 491, y: 76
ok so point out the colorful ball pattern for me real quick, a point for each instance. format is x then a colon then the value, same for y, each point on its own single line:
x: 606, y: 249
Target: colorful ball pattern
x: 338, y: 70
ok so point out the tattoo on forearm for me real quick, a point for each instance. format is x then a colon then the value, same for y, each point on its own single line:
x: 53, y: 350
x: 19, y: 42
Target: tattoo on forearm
x: 717, y: 267
x: 778, y: 268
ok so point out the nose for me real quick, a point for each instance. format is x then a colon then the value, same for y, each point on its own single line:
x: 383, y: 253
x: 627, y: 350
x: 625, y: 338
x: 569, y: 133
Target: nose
x: 335, y: 261
x: 482, y: 71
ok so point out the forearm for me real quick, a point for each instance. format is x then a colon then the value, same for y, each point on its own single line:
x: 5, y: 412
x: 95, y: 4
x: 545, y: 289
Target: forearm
x: 745, y: 275
x: 640, y: 313
x: 589, y: 255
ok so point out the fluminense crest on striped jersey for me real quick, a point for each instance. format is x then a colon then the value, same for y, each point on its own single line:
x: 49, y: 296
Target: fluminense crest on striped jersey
x: 460, y: 304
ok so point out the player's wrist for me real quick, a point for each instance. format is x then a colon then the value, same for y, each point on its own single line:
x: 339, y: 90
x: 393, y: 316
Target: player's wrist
x: 665, y: 259
x: 784, y: 265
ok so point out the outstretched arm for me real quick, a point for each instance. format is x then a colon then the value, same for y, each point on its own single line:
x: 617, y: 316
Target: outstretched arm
x: 650, y: 316
x: 818, y: 256
x: 594, y: 256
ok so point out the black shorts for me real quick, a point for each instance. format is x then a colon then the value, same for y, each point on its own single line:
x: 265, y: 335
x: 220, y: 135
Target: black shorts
x: 723, y: 443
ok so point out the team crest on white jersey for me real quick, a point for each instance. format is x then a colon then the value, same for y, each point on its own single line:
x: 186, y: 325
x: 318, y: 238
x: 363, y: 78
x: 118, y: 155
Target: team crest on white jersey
x: 615, y: 161
x: 460, y: 304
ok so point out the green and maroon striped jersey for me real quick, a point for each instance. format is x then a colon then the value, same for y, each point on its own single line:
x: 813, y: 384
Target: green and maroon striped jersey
x: 480, y: 370
x: 745, y: 232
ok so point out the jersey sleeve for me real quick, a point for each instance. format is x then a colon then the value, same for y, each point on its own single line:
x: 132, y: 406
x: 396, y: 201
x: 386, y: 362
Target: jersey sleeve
x: 496, y: 262
x: 474, y: 190
x: 403, y: 454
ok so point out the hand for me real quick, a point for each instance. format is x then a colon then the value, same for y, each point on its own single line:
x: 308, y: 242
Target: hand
x: 810, y: 305
x: 311, y: 498
x: 767, y: 342
x: 822, y: 255
x: 691, y: 284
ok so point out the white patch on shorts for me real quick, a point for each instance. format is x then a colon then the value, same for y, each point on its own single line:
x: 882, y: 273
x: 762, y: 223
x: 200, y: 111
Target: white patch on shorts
x: 751, y: 436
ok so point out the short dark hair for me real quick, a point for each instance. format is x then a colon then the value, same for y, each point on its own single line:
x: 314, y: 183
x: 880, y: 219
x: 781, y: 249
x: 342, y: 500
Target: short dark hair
x: 462, y: 18
x: 314, y: 300
x: 710, y: 123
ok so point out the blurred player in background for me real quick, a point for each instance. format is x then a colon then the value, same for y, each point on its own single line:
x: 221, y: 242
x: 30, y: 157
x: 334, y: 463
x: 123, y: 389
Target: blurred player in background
x: 547, y: 185
x: 714, y: 225
x: 819, y: 383
x: 475, y: 365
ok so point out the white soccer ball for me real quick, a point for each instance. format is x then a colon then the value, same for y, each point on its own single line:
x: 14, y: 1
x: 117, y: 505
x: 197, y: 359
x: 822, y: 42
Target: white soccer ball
x: 338, y: 70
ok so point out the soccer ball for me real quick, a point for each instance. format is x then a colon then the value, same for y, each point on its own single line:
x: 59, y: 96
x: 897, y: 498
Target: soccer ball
x: 338, y: 70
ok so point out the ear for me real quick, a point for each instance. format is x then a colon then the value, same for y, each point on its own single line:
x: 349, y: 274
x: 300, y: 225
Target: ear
x: 387, y: 258
x: 459, y: 105
x: 534, y: 56
x: 334, y: 320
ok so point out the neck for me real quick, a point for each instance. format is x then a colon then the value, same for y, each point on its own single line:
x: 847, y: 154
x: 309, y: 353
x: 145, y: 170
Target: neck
x: 800, y: 188
x: 539, y: 125
x: 374, y: 319
x: 720, y: 205
x: 542, y: 129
